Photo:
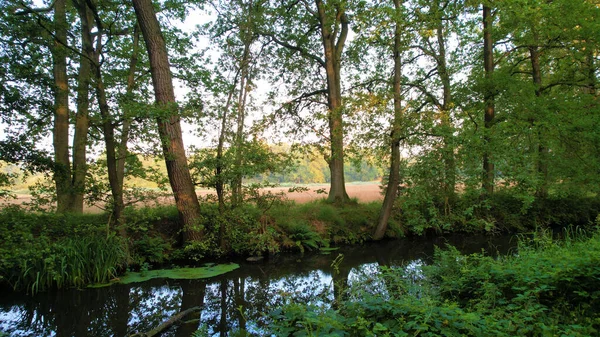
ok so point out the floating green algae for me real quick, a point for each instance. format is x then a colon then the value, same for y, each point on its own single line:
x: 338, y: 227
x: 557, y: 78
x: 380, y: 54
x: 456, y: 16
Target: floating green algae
x: 177, y: 274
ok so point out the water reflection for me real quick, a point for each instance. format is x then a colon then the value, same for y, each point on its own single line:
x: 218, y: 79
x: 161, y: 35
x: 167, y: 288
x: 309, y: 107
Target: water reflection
x: 235, y: 302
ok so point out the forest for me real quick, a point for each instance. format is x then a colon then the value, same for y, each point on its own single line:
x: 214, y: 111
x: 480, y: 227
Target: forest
x: 476, y: 116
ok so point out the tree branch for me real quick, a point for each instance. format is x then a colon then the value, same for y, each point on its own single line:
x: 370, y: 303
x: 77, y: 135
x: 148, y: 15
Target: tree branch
x: 301, y: 50
x: 339, y: 46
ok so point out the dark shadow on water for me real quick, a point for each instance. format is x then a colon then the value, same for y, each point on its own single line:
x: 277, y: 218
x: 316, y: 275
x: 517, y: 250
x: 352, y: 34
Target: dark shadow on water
x: 233, y: 302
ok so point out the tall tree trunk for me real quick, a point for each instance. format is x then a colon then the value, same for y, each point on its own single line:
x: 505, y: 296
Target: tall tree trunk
x: 236, y: 191
x: 542, y: 165
x: 107, y: 123
x: 169, y: 127
x: 488, y: 61
x: 82, y: 122
x: 448, y: 150
x: 122, y: 151
x: 62, y: 166
x: 394, y: 175
x: 108, y: 129
x: 591, y: 71
x: 333, y: 53
x: 219, y: 184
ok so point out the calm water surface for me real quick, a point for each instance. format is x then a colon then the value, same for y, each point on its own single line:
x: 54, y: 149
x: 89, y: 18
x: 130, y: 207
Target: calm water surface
x: 238, y: 300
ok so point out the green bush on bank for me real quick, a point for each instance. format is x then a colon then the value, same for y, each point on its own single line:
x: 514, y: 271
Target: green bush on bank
x: 547, y: 291
x: 503, y: 211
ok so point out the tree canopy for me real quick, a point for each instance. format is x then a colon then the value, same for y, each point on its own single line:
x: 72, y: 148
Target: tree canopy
x: 451, y: 96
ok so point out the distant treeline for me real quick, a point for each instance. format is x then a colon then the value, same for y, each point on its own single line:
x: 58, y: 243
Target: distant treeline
x: 304, y: 169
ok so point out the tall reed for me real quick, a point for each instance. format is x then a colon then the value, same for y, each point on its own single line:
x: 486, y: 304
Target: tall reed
x: 71, y: 262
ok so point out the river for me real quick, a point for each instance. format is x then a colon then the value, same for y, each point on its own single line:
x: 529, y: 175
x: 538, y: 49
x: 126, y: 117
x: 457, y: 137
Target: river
x: 238, y: 300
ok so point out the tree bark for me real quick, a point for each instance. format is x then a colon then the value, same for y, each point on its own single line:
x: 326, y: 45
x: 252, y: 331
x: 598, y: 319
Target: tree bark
x: 448, y: 150
x: 236, y: 191
x: 219, y: 183
x: 107, y: 120
x: 333, y: 46
x: 169, y: 127
x: 489, y: 110
x: 82, y: 122
x: 122, y: 152
x: 542, y: 165
x: 167, y: 324
x: 62, y: 166
x: 394, y: 175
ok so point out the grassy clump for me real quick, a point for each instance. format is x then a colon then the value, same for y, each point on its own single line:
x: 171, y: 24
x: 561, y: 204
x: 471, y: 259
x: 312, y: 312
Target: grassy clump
x: 42, y: 251
x: 546, y: 290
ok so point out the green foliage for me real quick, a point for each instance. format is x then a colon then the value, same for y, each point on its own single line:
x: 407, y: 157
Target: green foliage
x: 304, y: 237
x: 542, y: 291
x: 502, y: 211
x: 43, y: 251
x: 250, y: 233
x: 151, y: 233
x: 150, y: 249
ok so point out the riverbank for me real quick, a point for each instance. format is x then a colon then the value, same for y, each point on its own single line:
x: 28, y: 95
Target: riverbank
x: 45, y: 251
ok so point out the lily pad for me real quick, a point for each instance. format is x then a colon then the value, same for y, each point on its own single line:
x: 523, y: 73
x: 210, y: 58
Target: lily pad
x: 178, y: 274
x: 328, y: 249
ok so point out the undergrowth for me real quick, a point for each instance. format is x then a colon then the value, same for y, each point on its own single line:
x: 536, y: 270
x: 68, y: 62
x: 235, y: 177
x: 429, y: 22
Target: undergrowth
x: 43, y: 251
x: 47, y: 250
x: 547, y: 289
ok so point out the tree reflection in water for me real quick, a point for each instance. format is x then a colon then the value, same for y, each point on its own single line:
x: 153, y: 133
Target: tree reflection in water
x: 237, y: 302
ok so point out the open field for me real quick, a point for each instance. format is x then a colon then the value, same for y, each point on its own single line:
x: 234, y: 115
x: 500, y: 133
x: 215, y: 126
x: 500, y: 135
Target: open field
x: 364, y: 192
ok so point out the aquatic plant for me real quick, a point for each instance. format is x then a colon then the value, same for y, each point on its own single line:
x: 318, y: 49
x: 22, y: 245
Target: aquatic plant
x: 207, y: 271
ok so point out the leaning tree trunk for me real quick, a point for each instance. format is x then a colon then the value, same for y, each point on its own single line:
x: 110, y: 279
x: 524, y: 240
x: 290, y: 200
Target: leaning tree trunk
x: 107, y: 123
x: 488, y: 60
x: 169, y: 127
x: 62, y: 166
x: 394, y: 176
x: 333, y: 53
